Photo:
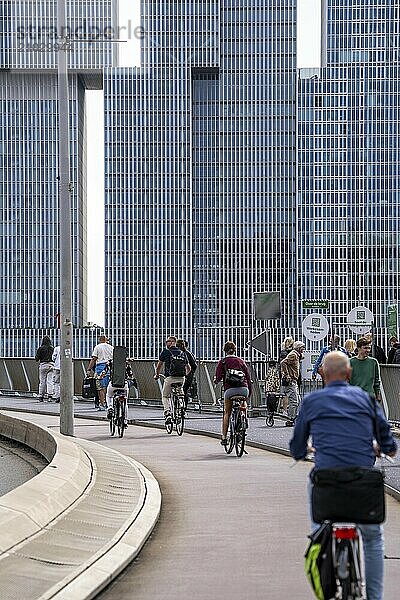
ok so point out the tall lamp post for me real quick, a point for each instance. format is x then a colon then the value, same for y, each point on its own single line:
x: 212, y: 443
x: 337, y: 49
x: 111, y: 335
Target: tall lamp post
x: 65, y: 189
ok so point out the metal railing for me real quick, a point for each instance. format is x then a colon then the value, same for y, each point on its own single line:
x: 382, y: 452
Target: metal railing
x: 21, y: 375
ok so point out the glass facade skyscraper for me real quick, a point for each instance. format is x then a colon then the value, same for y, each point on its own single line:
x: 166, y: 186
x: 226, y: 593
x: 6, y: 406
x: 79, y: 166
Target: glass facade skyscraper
x: 200, y: 174
x: 349, y: 164
x: 29, y: 267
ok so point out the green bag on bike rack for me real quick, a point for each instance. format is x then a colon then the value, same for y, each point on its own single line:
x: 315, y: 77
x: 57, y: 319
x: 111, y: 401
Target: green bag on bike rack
x: 319, y: 565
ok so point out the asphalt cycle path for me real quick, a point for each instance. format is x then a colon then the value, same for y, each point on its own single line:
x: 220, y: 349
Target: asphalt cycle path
x: 229, y: 528
x: 277, y: 436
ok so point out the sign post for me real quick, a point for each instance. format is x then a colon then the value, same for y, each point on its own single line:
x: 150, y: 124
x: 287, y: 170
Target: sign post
x: 315, y: 327
x: 315, y: 304
x: 360, y: 320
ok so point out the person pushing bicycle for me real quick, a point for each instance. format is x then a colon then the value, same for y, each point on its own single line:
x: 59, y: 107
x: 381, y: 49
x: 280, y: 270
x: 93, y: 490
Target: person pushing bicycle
x: 235, y: 375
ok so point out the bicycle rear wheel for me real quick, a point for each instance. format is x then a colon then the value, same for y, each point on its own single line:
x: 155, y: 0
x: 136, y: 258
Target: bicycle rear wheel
x: 343, y: 570
x: 230, y: 439
x: 240, y: 438
x: 121, y: 419
x: 169, y: 425
x: 180, y: 415
x: 112, y: 421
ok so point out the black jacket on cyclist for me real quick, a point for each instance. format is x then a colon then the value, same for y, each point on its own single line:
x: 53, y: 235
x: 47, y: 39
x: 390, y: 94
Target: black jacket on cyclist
x: 165, y: 357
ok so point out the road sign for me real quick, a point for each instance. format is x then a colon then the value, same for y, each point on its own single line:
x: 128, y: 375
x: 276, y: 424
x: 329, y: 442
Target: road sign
x: 315, y: 327
x: 260, y: 343
x: 392, y: 320
x: 360, y: 320
x: 315, y: 303
x: 267, y: 305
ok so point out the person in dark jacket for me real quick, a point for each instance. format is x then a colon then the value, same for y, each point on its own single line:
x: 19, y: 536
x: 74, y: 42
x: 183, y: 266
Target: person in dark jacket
x: 394, y: 346
x: 44, y: 356
x: 377, y: 351
x: 182, y: 345
x: 231, y: 362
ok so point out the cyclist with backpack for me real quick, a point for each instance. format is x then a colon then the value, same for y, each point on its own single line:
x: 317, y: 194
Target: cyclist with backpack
x: 235, y: 375
x: 176, y: 367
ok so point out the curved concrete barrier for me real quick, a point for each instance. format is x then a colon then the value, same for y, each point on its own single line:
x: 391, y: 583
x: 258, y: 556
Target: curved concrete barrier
x: 82, y: 519
x: 32, y: 506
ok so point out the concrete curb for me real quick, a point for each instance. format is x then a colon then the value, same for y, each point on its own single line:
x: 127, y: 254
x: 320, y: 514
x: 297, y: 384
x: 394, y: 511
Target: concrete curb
x: 34, y: 505
x: 31, y: 509
x: 95, y: 574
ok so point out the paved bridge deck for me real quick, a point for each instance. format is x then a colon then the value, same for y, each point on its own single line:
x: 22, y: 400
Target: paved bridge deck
x: 229, y: 528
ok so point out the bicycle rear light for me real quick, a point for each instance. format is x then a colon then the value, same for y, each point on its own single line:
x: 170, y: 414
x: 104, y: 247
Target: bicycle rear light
x: 345, y: 533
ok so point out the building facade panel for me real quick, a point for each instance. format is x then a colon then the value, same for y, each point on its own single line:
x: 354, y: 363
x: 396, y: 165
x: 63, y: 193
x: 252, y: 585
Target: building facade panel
x: 210, y: 160
x: 348, y: 165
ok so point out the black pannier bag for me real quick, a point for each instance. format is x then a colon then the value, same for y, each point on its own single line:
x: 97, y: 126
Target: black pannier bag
x: 89, y: 387
x: 348, y: 494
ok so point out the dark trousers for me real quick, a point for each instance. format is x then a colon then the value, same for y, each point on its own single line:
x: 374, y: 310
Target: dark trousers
x: 186, y: 387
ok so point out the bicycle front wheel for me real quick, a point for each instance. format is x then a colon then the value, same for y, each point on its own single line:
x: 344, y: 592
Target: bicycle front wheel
x: 240, y: 438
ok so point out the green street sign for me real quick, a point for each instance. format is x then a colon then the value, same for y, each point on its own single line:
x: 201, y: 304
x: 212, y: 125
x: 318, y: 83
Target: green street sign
x: 391, y: 320
x: 315, y: 303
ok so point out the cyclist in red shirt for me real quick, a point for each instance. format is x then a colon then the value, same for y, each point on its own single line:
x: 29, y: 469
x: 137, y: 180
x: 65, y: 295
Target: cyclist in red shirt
x: 227, y: 366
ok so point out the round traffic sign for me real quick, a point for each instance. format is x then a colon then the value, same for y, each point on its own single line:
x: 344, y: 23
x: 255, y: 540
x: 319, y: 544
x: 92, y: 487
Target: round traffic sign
x: 360, y: 320
x: 315, y: 327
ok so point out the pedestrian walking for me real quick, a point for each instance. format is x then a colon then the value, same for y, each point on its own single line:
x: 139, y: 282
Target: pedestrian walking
x: 290, y: 372
x: 365, y: 370
x: 286, y: 347
x: 393, y: 355
x: 101, y: 354
x: 56, y: 373
x: 342, y: 422
x: 182, y: 345
x: 376, y: 351
x: 350, y: 346
x: 333, y: 345
x: 44, y: 356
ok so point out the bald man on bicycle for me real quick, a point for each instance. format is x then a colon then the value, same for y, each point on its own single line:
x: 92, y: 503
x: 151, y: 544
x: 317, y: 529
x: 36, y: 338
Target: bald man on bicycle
x: 342, y: 420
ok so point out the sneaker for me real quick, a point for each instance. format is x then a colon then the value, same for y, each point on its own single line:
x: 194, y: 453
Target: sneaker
x: 289, y: 423
x: 167, y: 417
x: 110, y: 413
x: 224, y: 442
x: 125, y: 424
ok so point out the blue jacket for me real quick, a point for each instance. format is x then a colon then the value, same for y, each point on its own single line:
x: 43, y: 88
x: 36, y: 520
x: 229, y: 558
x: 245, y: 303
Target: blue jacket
x: 321, y: 356
x: 341, y: 421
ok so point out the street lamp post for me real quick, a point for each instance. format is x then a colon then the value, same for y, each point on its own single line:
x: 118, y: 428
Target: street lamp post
x: 65, y: 189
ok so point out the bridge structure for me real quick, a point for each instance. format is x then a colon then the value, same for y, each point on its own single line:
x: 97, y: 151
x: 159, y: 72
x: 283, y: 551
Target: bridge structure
x: 217, y: 525
x: 20, y: 375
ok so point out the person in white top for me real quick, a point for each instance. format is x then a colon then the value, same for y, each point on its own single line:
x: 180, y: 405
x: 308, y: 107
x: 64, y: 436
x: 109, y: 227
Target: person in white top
x: 56, y: 373
x: 101, y: 354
